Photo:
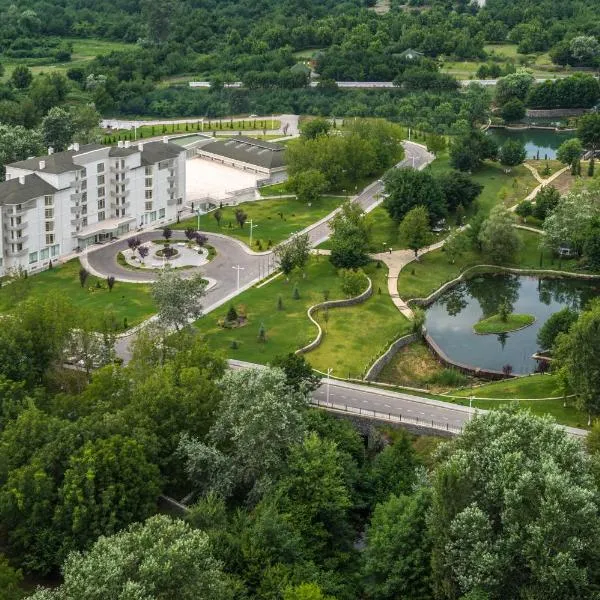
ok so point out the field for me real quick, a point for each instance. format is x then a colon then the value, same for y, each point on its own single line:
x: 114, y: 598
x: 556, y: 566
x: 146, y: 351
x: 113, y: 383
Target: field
x: 84, y: 50
x: 128, y: 301
x: 275, y: 220
x: 495, y: 324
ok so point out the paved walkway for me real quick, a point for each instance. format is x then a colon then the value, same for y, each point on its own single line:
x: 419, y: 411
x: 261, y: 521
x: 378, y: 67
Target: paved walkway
x: 542, y: 183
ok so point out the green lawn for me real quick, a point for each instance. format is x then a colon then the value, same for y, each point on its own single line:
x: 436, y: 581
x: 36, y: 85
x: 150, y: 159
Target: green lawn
x: 84, y: 50
x: 277, y: 189
x: 127, y: 300
x: 498, y: 186
x: 419, y: 279
x: 357, y: 335
x: 287, y: 329
x: 495, y: 324
x: 275, y: 219
x: 532, y: 386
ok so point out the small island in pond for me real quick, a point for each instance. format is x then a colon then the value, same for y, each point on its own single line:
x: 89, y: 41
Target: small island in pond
x: 497, y: 324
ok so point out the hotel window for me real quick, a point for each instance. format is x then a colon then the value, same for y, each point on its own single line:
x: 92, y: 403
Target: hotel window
x: 44, y: 254
x: 55, y: 250
x: 84, y: 222
x: 84, y: 197
x: 49, y: 213
x: 49, y: 239
x: 33, y: 257
x: 122, y: 164
x: 148, y: 182
x: 49, y: 225
x: 153, y: 216
x: 15, y: 221
x: 101, y: 192
x: 148, y: 194
x: 83, y: 173
x: 100, y: 168
x: 48, y: 200
x: 17, y: 247
x: 163, y: 165
x: 101, y: 180
x: 84, y: 210
x: 19, y: 208
x: 122, y: 188
x: 84, y: 185
x: 101, y: 216
x: 148, y: 171
x: 161, y: 213
x: 101, y: 204
x: 148, y: 206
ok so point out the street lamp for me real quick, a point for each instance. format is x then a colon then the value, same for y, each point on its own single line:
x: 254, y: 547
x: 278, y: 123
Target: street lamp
x: 238, y: 269
x: 329, y: 371
x: 252, y: 227
x: 198, y: 213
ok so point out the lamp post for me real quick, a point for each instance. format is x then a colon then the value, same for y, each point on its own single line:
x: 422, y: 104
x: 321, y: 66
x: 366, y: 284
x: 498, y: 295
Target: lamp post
x: 238, y: 269
x: 470, y: 407
x: 329, y: 371
x: 252, y: 227
x: 198, y: 213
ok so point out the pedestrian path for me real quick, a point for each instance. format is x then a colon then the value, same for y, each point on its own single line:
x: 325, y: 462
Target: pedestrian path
x: 542, y: 182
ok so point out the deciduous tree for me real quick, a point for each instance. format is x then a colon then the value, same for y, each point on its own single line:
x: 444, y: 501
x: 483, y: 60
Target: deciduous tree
x: 498, y: 237
x: 415, y: 230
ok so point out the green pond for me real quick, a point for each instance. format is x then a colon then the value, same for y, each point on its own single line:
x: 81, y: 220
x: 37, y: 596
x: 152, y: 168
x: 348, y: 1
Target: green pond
x: 539, y: 143
x: 450, y: 319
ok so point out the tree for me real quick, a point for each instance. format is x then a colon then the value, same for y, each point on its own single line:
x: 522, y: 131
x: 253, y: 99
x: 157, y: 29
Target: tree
x: 570, y: 220
x: 498, y: 237
x: 524, y: 209
x: 588, y: 131
x: 167, y: 233
x: 436, y: 143
x: 352, y: 282
x: 512, y: 153
x: 308, y: 185
x: 585, y: 49
x: 398, y: 547
x: 414, y: 229
x: 513, y: 110
x: 21, y: 77
x: 218, y: 215
x: 241, y: 217
x: 160, y: 558
x: 298, y: 373
x: 545, y: 202
x: 591, y: 245
x: 18, y: 143
x: 467, y: 152
x: 489, y: 537
x: 408, y: 188
x: 143, y: 252
x: 10, y: 581
x: 110, y: 282
x: 576, y: 354
x: 456, y: 244
x: 350, y: 238
x: 513, y: 86
x: 559, y: 322
x: 293, y: 253
x: 58, y: 128
x: 569, y: 151
x: 258, y: 420
x: 108, y: 484
x: 83, y: 275
x: 458, y: 189
x: 86, y: 123
x: 178, y: 300
x: 314, y: 128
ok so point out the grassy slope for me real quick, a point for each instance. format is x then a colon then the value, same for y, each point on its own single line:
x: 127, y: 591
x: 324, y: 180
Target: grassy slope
x: 296, y: 216
x: 357, y: 335
x: 127, y: 300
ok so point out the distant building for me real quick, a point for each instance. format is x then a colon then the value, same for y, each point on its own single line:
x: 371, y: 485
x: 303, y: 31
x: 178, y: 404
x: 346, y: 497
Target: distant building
x: 248, y: 154
x: 410, y: 54
x: 52, y: 205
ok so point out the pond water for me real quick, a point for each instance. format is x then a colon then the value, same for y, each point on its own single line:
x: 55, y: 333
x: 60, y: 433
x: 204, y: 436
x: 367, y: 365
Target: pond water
x: 451, y: 317
x: 544, y: 141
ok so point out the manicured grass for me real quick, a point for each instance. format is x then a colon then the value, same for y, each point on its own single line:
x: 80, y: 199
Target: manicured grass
x: 355, y: 336
x: 277, y: 189
x: 419, y: 279
x: 287, y: 329
x: 540, y: 166
x: 219, y: 126
x: 532, y: 386
x: 275, y: 219
x: 127, y: 300
x: 495, y: 324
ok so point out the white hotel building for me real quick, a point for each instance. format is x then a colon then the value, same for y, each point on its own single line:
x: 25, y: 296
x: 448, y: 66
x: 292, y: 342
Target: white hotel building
x: 53, y: 205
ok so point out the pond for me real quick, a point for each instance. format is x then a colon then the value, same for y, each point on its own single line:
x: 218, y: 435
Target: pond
x: 544, y: 141
x: 450, y: 319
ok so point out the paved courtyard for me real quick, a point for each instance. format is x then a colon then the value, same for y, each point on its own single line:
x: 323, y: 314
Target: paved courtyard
x: 206, y: 178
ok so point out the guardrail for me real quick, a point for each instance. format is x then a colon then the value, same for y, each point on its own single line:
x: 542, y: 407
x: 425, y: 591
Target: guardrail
x: 387, y: 416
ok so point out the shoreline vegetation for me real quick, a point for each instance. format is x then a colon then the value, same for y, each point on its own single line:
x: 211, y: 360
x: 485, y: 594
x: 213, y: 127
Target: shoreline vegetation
x: 496, y: 324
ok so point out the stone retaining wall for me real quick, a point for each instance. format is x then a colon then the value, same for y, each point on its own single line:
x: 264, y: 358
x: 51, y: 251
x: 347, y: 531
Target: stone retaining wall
x: 387, y: 356
x: 556, y: 112
x: 332, y: 304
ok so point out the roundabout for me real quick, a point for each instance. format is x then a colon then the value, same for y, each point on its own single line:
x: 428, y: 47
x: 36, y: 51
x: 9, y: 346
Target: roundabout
x: 154, y: 255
